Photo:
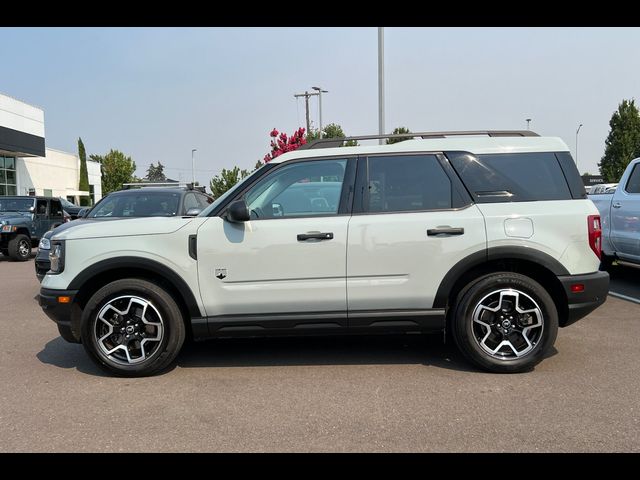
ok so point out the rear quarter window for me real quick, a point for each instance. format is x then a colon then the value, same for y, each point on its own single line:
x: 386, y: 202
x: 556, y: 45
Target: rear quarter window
x: 511, y: 177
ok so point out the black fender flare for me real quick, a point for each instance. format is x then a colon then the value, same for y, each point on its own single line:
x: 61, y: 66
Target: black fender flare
x: 491, y: 254
x: 142, y: 264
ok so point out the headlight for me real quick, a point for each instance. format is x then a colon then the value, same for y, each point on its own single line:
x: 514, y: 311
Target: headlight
x: 56, y: 256
x: 44, y: 244
x: 9, y: 228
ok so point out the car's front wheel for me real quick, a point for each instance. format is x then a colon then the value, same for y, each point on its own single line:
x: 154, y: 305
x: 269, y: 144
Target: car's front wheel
x: 20, y: 248
x: 505, y: 322
x: 132, y: 328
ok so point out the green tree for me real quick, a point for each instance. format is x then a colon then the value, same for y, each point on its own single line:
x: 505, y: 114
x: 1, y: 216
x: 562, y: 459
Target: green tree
x: 156, y: 173
x: 332, y: 130
x: 116, y: 169
x: 83, y: 184
x: 227, y: 179
x: 399, y: 131
x: 623, y: 142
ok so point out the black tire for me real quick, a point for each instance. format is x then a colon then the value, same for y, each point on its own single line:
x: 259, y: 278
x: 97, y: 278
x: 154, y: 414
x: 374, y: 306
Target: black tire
x: 20, y: 248
x: 4, y: 251
x: 164, y: 311
x: 475, y: 340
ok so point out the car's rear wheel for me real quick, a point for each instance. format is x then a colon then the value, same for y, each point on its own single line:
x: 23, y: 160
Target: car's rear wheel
x: 20, y: 248
x: 505, y: 322
x: 132, y: 328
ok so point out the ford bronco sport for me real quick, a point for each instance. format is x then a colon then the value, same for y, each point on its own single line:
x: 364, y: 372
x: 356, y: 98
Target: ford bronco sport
x: 487, y: 236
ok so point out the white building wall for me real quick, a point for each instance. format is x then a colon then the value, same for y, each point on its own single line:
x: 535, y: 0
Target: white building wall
x: 21, y: 116
x: 95, y: 178
x: 59, y: 172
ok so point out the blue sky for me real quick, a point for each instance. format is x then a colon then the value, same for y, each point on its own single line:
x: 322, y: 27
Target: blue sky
x: 156, y: 93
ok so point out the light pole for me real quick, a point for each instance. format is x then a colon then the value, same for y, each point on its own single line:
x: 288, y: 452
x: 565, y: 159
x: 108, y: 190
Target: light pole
x: 193, y: 169
x: 320, y: 92
x: 577, y: 132
x: 381, y: 83
x: 528, y: 121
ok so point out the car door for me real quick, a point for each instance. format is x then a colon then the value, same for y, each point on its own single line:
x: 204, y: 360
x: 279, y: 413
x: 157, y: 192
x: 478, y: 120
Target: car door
x: 412, y: 222
x: 41, y: 224
x: 625, y: 217
x: 286, y: 266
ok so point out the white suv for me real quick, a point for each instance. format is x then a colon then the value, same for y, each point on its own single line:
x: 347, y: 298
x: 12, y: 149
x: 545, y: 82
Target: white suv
x: 488, y: 236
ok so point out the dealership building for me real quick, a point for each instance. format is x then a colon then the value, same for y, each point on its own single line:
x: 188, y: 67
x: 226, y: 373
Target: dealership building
x: 28, y: 167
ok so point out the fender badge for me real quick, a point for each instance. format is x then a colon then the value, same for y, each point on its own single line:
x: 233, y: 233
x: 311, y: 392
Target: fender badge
x: 221, y: 273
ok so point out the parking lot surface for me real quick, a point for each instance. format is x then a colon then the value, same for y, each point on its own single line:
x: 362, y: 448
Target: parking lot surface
x: 363, y: 394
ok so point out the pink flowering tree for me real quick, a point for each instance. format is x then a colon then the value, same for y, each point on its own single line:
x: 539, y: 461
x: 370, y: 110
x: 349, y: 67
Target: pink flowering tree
x: 281, y: 143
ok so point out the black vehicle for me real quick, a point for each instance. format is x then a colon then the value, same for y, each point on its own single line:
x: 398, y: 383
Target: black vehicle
x: 131, y: 203
x: 71, y: 208
x: 24, y: 220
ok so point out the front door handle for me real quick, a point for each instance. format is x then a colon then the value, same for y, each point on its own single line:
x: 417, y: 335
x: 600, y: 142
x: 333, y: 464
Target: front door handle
x: 446, y: 231
x: 315, y: 236
x: 616, y: 205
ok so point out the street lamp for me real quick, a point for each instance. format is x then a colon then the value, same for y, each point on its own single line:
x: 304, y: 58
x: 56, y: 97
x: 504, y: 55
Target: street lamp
x: 577, y: 132
x: 528, y: 121
x: 193, y: 169
x: 381, y: 83
x: 320, y: 92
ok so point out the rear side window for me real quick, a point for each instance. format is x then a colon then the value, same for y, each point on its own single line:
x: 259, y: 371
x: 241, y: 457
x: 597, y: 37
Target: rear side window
x: 633, y: 185
x: 512, y: 177
x: 407, y: 183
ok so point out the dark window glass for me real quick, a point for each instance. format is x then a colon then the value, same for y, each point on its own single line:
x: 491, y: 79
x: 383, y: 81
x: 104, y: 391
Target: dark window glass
x: 56, y: 208
x: 633, y: 185
x: 11, y: 177
x: 512, y: 177
x: 10, y: 162
x: 41, y: 207
x: 3, y: 178
x: 407, y: 183
x: 1, y: 161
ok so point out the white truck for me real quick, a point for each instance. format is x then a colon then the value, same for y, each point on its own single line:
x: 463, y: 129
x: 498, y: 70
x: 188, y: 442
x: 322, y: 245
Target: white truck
x: 620, y: 216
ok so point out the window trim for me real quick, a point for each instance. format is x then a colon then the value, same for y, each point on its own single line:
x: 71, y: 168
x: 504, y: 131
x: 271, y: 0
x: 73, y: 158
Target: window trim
x: 626, y: 186
x: 344, y: 209
x: 361, y: 204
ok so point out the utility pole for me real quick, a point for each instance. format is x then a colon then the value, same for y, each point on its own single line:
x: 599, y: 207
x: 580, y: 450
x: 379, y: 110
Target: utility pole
x: 381, y: 83
x: 320, y: 92
x: 306, y: 96
x: 193, y: 168
x: 528, y: 122
x: 577, y: 132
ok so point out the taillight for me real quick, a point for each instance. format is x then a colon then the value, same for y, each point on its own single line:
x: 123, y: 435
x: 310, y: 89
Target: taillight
x: 595, y: 234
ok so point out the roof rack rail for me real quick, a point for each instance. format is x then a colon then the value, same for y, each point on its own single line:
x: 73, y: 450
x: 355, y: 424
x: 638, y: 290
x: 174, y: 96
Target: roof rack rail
x: 190, y: 186
x: 337, y: 142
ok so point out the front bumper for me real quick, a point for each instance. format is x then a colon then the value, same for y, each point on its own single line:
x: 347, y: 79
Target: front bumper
x: 581, y: 304
x: 66, y: 315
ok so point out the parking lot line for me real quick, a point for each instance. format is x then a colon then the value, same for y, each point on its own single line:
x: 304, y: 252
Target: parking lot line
x: 624, y: 297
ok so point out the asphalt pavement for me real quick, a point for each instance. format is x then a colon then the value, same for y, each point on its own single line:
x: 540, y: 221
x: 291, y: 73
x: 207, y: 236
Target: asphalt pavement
x: 353, y: 394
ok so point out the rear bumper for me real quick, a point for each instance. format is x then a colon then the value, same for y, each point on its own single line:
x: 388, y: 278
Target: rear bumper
x: 581, y: 304
x: 61, y: 313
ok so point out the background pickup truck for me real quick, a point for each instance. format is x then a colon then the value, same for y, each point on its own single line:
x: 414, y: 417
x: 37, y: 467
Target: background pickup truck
x: 620, y: 216
x: 24, y: 220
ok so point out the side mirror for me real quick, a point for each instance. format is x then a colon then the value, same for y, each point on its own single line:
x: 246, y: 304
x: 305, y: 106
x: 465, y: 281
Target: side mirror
x: 192, y: 212
x: 238, y: 212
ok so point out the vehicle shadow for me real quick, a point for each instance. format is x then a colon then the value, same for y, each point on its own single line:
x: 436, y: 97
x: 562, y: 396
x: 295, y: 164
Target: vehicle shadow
x: 7, y: 259
x: 427, y: 350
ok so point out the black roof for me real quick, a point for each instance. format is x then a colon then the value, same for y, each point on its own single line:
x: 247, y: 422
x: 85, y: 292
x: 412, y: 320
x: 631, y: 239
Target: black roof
x: 38, y: 197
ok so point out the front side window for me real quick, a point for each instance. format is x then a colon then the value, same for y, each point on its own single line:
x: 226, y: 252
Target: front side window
x: 307, y: 188
x: 633, y: 185
x: 406, y: 183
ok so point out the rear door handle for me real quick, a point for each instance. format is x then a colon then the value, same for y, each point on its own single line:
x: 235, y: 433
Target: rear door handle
x: 445, y: 231
x: 616, y: 205
x: 315, y: 236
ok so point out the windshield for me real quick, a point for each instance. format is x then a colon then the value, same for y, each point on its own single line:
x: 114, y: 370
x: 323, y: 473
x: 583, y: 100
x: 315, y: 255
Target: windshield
x: 8, y: 204
x: 137, y: 204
